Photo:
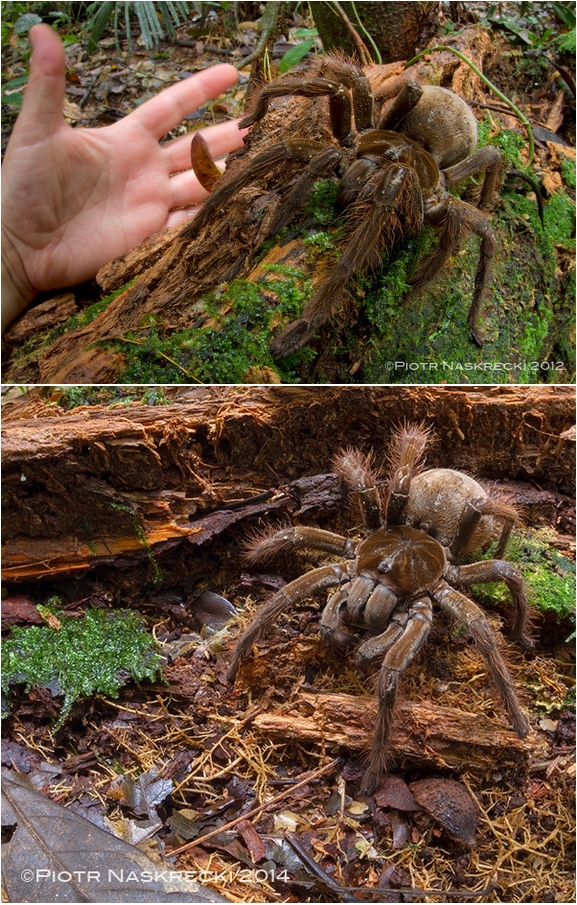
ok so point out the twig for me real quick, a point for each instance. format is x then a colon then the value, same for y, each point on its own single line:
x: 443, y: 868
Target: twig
x: 368, y: 35
x: 314, y: 774
x: 267, y: 23
x: 344, y: 892
x: 363, y: 52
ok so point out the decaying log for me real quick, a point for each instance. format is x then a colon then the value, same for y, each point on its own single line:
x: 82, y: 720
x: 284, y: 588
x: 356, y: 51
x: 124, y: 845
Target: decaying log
x: 95, y: 484
x: 423, y: 733
x: 175, y: 273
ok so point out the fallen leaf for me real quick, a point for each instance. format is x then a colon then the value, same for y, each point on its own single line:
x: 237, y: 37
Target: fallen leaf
x: 55, y: 855
x: 252, y: 840
x: 395, y: 793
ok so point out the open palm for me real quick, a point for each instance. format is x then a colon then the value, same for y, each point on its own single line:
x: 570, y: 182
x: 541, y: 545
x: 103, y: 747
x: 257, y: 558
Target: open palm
x: 74, y: 198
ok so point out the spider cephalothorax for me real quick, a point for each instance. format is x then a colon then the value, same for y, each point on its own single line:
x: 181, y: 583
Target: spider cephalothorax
x: 394, y: 170
x: 388, y: 583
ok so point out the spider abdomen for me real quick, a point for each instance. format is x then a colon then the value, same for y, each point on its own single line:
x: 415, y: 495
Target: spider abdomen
x: 404, y: 559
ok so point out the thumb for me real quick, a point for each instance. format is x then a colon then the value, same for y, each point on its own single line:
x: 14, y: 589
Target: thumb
x: 41, y: 113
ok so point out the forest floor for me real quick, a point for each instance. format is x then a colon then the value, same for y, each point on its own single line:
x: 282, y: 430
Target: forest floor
x: 256, y: 788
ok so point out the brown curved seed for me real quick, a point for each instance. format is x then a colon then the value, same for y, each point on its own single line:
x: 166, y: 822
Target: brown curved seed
x: 204, y: 167
x: 450, y: 804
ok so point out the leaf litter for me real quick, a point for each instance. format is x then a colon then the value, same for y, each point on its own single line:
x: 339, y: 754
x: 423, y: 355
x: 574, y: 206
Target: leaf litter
x: 182, y: 765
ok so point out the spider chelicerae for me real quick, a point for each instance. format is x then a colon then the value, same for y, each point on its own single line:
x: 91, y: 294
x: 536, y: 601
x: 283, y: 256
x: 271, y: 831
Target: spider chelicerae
x: 394, y: 169
x: 387, y: 585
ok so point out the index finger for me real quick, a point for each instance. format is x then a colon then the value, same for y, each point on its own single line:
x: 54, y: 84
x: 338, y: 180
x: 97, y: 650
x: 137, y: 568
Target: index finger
x: 162, y: 113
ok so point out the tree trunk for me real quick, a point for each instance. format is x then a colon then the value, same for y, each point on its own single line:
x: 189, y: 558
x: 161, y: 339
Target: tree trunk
x: 396, y: 28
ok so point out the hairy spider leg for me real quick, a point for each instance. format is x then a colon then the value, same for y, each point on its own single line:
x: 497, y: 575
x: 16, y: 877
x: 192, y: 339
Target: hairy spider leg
x: 497, y: 570
x: 455, y: 223
x: 351, y: 76
x: 259, y: 166
x: 467, y: 613
x: 407, y: 458
x: 487, y: 160
x: 266, y: 546
x: 407, y: 98
x: 340, y: 107
x: 385, y: 210
x: 297, y: 590
x: 408, y: 447
x: 400, y: 644
x: 356, y: 471
x: 472, y: 513
x: 333, y: 629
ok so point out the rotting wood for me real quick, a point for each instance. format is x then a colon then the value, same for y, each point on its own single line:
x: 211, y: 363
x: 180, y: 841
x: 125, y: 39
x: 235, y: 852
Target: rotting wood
x: 174, y: 274
x: 424, y: 733
x: 95, y: 483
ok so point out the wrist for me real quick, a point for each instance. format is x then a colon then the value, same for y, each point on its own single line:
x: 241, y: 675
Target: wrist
x: 17, y: 291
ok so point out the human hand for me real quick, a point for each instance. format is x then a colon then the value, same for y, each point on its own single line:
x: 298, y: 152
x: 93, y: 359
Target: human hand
x: 74, y: 199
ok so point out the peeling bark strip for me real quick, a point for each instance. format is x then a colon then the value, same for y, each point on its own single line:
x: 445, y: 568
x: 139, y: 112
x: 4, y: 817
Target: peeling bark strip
x: 98, y: 483
x: 424, y: 733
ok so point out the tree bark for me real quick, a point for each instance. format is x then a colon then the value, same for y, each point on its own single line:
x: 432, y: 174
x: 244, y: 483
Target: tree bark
x: 396, y: 28
x: 423, y: 733
x: 95, y: 485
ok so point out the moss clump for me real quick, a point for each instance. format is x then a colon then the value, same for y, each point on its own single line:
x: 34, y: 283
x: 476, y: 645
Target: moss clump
x: 568, y: 173
x: 241, y: 319
x: 510, y: 144
x: 549, y: 576
x: 112, y: 396
x: 560, y: 219
x: 32, y: 350
x: 322, y: 202
x: 98, y: 653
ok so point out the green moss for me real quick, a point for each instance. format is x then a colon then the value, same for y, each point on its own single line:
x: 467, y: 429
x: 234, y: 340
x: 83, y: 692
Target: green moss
x: 559, y: 218
x: 510, y: 144
x: 33, y: 349
x: 568, y: 173
x: 139, y: 531
x: 321, y: 240
x: 238, y: 338
x: 74, y: 396
x: 322, y: 202
x: 98, y: 653
x: 548, y: 574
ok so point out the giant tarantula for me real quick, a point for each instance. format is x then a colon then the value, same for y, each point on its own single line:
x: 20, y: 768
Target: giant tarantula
x: 388, y: 583
x: 394, y: 172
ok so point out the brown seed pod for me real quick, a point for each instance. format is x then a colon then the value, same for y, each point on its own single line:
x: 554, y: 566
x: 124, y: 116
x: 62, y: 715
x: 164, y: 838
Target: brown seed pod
x: 450, y: 804
x: 395, y: 793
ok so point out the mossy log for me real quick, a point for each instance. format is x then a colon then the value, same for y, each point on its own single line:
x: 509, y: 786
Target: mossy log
x: 111, y: 485
x: 182, y: 321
